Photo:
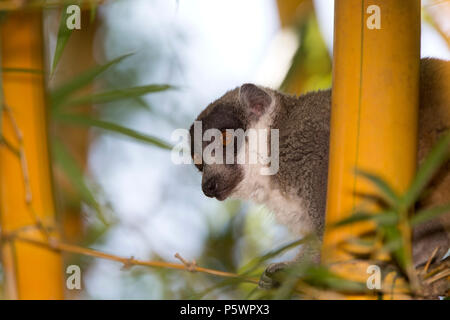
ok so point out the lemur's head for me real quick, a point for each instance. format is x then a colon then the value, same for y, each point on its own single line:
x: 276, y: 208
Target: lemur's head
x: 240, y: 108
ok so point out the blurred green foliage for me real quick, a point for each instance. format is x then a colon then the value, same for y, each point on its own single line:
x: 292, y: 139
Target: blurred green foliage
x: 311, y: 65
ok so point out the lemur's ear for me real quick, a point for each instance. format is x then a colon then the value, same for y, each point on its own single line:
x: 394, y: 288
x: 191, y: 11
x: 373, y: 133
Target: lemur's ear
x: 255, y: 99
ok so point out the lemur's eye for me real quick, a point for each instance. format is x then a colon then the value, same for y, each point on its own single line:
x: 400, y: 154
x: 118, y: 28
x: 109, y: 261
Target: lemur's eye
x: 226, y: 138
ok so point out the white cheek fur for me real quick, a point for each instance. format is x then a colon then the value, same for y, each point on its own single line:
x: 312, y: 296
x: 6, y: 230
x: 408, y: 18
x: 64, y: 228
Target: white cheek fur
x: 260, y: 189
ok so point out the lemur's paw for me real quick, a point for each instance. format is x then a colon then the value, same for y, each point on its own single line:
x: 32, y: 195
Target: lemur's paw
x: 270, y: 279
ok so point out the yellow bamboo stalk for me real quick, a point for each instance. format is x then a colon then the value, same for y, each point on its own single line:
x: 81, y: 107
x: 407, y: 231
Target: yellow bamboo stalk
x: 374, y: 112
x: 26, y: 199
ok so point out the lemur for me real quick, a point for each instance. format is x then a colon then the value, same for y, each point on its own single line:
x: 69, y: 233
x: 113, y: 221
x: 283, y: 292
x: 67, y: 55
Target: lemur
x: 297, y: 192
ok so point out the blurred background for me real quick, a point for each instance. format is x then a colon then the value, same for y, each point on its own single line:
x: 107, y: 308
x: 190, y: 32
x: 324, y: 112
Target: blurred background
x: 121, y: 194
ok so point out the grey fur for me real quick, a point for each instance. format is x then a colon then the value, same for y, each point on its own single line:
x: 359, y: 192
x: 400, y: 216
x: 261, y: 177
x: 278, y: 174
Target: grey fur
x: 303, y: 124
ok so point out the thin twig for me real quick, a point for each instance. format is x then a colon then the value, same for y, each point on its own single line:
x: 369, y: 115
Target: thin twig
x: 425, y: 269
x: 191, y: 266
x: 14, y: 123
x: 436, y: 270
x: 24, y: 167
x: 26, y: 177
x: 9, y: 146
x: 21, y: 149
x: 57, y: 245
x: 443, y: 274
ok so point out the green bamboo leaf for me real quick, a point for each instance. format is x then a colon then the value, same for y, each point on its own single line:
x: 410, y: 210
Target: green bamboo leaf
x: 256, y: 262
x: 58, y: 95
x: 75, y: 175
x: 257, y: 294
x: 64, y: 34
x: 394, y: 243
x: 93, y: 11
x: 3, y: 15
x: 288, y: 283
x: 387, y: 218
x: 356, y: 217
x: 387, y: 192
x: 321, y: 276
x: 428, y: 214
x: 362, y: 242
x: 140, y: 102
x: 332, y: 281
x: 118, y: 94
x: 434, y: 160
x: 223, y: 284
x: 381, y: 218
x: 23, y: 70
x: 112, y: 127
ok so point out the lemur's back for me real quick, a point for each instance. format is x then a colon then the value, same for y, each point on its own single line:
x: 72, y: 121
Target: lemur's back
x: 434, y: 119
x: 304, y: 137
x: 434, y: 113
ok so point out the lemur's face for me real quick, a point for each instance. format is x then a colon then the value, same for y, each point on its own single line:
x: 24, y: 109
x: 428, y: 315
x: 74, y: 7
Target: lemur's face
x: 237, y: 109
x: 219, y: 179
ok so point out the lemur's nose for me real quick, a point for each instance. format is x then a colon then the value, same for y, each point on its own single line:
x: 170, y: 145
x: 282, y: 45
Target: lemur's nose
x: 210, y: 187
